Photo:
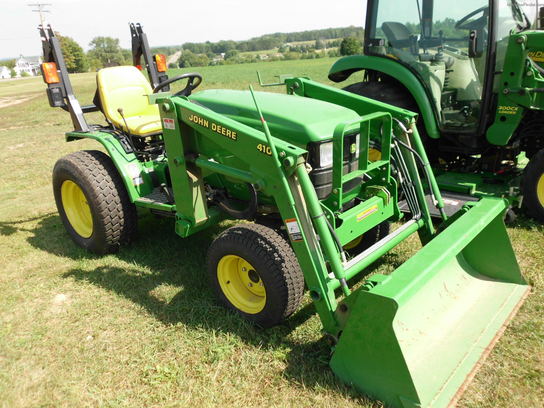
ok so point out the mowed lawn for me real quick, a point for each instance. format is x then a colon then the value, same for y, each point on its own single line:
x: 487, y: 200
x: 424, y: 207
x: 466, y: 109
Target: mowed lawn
x: 141, y: 328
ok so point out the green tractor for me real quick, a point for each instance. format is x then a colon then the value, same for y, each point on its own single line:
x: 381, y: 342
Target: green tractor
x: 473, y: 72
x: 316, y: 206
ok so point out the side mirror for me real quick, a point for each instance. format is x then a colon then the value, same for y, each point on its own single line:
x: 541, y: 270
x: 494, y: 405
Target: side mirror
x: 475, y: 44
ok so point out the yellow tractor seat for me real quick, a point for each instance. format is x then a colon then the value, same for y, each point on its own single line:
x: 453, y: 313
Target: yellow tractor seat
x: 127, y: 88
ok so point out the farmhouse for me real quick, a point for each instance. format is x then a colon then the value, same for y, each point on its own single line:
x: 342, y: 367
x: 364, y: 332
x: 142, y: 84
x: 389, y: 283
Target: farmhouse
x: 30, y: 65
x: 4, y: 72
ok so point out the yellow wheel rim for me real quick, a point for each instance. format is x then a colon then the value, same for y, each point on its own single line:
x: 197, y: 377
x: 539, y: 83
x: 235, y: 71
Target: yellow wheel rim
x: 241, y: 284
x: 374, y: 154
x: 540, y: 190
x: 76, y: 208
x: 354, y: 243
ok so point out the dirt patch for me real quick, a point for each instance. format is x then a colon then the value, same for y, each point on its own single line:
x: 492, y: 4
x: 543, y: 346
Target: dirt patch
x: 11, y: 100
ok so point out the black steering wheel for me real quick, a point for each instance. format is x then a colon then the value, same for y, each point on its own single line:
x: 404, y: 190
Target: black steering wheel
x: 188, y: 88
x: 476, y: 24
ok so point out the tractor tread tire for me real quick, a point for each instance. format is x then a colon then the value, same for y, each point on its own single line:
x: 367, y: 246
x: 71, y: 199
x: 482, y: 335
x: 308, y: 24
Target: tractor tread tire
x: 275, y: 262
x: 384, y: 91
x: 531, y: 175
x: 114, y: 216
x: 389, y: 91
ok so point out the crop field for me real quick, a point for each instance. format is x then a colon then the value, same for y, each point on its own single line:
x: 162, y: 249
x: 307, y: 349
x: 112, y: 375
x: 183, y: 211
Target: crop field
x: 141, y: 328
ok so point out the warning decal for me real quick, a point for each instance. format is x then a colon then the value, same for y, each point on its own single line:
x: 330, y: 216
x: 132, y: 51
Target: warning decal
x: 169, y: 123
x: 293, y: 229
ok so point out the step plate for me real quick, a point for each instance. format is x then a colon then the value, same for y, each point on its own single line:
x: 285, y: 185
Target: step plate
x: 156, y: 197
x: 452, y: 203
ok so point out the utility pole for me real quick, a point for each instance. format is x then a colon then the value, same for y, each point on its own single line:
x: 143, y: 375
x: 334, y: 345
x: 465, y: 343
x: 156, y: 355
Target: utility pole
x: 41, y: 9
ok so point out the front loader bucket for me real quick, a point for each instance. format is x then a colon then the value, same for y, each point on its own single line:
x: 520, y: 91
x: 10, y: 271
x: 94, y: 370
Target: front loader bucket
x: 416, y: 338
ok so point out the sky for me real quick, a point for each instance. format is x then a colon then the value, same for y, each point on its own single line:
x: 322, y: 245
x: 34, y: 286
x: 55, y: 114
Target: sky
x: 168, y: 22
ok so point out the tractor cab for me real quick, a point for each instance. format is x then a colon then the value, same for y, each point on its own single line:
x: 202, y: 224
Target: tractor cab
x: 454, y: 50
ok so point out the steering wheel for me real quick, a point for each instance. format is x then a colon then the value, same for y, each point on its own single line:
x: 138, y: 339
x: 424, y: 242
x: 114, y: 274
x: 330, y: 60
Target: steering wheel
x: 476, y: 24
x: 188, y: 88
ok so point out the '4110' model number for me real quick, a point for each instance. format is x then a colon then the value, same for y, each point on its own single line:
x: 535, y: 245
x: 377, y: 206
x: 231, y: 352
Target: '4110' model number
x: 264, y: 149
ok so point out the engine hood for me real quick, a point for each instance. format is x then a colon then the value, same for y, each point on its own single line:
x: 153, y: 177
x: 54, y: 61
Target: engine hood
x: 292, y: 118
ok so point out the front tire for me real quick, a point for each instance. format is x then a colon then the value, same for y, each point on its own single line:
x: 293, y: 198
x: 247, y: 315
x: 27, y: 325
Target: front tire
x: 533, y: 187
x: 254, y: 272
x: 92, y: 201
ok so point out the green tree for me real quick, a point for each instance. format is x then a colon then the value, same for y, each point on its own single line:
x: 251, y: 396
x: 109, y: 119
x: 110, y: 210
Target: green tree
x: 74, y: 56
x: 8, y: 63
x: 231, y: 54
x: 105, y: 52
x: 12, y: 73
x: 320, y: 44
x: 190, y: 59
x: 350, y: 46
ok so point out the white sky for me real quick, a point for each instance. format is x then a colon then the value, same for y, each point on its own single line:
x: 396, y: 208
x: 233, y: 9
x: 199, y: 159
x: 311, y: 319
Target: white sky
x: 169, y: 22
x: 173, y: 22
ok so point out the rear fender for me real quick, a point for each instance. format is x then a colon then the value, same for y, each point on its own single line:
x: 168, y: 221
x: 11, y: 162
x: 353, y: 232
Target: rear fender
x: 344, y: 67
x: 134, y: 173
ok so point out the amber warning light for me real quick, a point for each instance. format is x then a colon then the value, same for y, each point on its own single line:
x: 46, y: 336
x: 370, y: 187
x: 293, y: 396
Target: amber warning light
x: 50, y: 74
x: 160, y: 60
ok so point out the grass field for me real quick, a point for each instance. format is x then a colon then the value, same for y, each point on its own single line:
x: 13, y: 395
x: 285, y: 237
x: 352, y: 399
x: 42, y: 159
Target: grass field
x: 141, y: 328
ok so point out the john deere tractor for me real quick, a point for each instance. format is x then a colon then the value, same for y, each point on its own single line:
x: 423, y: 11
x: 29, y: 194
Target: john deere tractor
x: 472, y: 70
x: 316, y: 206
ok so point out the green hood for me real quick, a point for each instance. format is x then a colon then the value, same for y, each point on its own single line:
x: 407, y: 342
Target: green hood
x: 291, y: 118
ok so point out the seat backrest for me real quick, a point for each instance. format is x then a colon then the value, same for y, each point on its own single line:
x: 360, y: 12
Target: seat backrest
x: 127, y: 88
x: 397, y: 34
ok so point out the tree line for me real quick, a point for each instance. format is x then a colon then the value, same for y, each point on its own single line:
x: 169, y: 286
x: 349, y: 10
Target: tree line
x: 107, y: 51
x: 272, y: 41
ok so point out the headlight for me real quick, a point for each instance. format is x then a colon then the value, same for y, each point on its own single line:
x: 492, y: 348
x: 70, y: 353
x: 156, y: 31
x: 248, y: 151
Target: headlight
x: 325, y: 154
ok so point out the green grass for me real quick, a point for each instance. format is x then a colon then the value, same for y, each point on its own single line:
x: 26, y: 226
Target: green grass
x: 142, y: 328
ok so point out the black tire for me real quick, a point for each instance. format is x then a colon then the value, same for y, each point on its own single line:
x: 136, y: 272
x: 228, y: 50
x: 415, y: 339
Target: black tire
x: 389, y: 91
x: 384, y: 91
x: 114, y: 218
x: 533, y: 187
x: 369, y: 238
x: 275, y: 268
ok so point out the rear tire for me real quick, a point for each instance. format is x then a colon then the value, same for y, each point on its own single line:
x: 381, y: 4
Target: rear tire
x: 254, y: 272
x: 388, y: 91
x: 92, y: 201
x: 533, y: 187
x: 384, y: 91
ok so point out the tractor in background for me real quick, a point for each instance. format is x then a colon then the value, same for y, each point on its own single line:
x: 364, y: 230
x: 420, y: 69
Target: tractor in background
x: 474, y: 73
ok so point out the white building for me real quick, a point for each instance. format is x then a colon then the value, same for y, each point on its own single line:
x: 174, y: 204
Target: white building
x: 5, y: 72
x: 29, y: 65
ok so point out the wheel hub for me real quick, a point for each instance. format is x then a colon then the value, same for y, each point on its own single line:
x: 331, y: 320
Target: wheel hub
x: 77, y: 208
x: 241, y: 284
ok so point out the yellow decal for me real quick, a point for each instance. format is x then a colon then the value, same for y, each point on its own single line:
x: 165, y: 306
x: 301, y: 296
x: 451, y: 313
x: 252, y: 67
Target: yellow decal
x: 536, y: 56
x: 369, y: 211
x: 508, y: 110
x: 264, y: 149
x: 231, y: 134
